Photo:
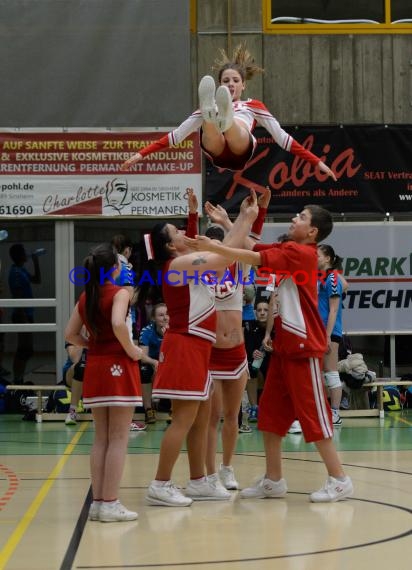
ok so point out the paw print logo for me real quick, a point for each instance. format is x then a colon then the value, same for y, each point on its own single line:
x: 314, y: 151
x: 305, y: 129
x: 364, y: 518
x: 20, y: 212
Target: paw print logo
x: 116, y: 370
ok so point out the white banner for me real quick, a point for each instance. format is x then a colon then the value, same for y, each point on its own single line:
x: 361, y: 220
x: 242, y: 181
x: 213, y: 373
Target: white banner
x: 77, y: 173
x: 377, y: 263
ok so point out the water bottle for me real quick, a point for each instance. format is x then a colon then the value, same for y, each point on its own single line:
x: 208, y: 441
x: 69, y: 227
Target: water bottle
x: 4, y: 234
x: 257, y: 362
x: 39, y: 251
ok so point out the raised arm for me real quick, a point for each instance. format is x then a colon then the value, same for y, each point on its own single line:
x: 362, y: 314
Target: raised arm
x: 224, y: 253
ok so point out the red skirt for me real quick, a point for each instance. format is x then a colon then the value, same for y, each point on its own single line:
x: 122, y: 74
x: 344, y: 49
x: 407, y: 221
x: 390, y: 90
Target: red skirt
x: 228, y: 363
x: 183, y: 371
x: 111, y: 380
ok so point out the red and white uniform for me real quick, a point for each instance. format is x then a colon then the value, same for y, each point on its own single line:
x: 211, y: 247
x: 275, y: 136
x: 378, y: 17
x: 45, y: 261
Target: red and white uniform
x: 251, y: 112
x: 111, y: 378
x: 230, y: 363
x: 294, y: 383
x: 183, y: 371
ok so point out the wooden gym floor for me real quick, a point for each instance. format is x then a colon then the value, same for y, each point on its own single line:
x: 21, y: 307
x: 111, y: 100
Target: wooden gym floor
x: 45, y: 492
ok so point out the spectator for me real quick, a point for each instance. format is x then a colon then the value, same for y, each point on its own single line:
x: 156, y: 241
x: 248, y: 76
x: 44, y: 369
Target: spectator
x: 150, y: 340
x: 20, y: 285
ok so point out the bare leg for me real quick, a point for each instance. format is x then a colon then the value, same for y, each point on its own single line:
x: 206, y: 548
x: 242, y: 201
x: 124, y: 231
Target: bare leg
x: 119, y: 419
x: 330, y: 364
x: 98, y: 451
x: 330, y: 457
x: 232, y: 391
x: 251, y: 388
x: 213, y: 429
x: 76, y: 393
x: 184, y: 414
x: 197, y: 441
x: 237, y: 138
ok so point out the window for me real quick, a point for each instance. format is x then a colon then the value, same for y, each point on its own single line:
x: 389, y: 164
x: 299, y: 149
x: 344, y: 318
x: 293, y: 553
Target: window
x: 336, y: 16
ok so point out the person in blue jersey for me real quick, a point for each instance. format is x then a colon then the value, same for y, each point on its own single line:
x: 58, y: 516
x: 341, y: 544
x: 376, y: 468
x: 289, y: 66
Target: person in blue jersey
x: 150, y: 340
x: 330, y: 291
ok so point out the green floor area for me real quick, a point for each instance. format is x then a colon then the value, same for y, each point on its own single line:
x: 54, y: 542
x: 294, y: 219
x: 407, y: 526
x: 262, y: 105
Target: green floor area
x: 19, y: 437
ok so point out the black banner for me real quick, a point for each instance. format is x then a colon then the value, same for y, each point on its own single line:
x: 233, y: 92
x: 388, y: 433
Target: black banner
x: 373, y: 166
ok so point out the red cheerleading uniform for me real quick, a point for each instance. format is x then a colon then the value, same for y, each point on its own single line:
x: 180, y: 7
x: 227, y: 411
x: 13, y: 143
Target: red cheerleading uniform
x: 111, y: 378
x: 251, y: 112
x: 294, y: 386
x: 183, y: 371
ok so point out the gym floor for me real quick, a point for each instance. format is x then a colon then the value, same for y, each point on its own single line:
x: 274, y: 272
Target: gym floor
x: 45, y: 494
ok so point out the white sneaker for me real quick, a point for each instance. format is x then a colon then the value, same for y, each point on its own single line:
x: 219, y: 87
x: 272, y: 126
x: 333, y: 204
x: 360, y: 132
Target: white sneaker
x: 115, y: 512
x: 333, y: 490
x: 71, y: 418
x: 166, y: 494
x: 138, y: 426
x: 265, y: 488
x: 94, y: 511
x: 295, y: 427
x: 207, y: 489
x: 207, y: 103
x: 227, y: 477
x: 336, y: 419
x: 225, y: 111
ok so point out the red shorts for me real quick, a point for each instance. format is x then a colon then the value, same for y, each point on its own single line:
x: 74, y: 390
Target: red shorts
x: 111, y: 380
x: 294, y: 389
x: 183, y: 371
x: 228, y: 363
x: 228, y: 160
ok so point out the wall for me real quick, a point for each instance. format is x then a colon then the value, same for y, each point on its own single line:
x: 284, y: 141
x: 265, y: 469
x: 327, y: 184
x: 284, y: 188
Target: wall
x: 314, y: 78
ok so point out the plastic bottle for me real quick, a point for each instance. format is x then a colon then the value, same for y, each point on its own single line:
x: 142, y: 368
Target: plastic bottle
x: 4, y: 234
x: 257, y: 362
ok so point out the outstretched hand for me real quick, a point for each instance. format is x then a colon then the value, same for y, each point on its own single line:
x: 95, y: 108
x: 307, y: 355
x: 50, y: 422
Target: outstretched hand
x: 217, y: 214
x: 249, y: 206
x: 132, y: 160
x: 326, y: 170
x: 264, y: 198
x: 202, y: 243
x: 192, y: 201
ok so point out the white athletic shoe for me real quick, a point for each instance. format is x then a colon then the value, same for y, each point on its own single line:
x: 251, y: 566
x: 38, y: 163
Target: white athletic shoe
x: 94, y: 511
x: 71, y: 418
x: 115, y: 512
x: 295, y: 427
x: 166, y: 494
x: 336, y: 419
x: 207, y: 489
x: 227, y: 477
x: 225, y: 111
x: 333, y: 490
x: 207, y: 103
x: 265, y: 488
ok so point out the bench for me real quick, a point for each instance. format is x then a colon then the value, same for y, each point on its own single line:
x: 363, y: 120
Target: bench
x: 55, y: 416
x: 33, y: 388
x: 379, y: 384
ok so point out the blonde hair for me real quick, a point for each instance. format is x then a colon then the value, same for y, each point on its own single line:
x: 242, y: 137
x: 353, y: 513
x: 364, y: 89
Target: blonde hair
x: 241, y: 60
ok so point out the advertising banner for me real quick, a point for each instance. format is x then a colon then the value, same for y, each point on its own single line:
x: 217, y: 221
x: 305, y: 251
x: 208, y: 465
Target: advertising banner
x: 52, y: 173
x: 377, y: 263
x: 372, y: 164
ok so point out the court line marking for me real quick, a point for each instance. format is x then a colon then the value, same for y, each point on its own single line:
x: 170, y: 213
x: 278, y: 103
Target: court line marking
x: 18, y: 533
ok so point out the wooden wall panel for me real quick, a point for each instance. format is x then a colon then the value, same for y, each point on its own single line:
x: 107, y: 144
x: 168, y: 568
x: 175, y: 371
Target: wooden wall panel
x: 402, y: 79
x: 320, y: 79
